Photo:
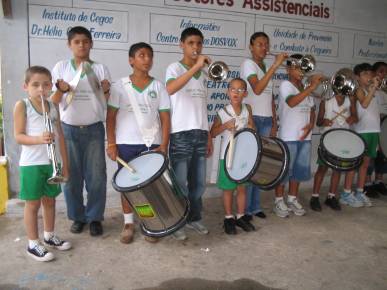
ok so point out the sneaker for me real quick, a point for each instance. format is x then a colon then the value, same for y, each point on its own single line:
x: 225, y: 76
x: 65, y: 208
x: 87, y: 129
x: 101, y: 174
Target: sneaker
x: 333, y: 203
x: 296, y: 207
x: 57, y: 243
x: 180, y: 235
x: 281, y: 209
x: 229, y: 226
x: 360, y: 196
x: 380, y: 187
x: 370, y: 191
x: 315, y: 203
x: 248, y: 217
x: 127, y: 234
x: 261, y: 215
x: 350, y: 200
x: 40, y: 253
x: 198, y: 227
x: 77, y: 227
x: 243, y: 223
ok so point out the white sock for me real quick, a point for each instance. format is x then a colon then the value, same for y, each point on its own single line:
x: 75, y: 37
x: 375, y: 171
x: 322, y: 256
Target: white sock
x: 128, y: 218
x: 48, y: 235
x: 277, y: 199
x: 359, y: 189
x: 32, y: 243
x: 347, y: 191
x: 330, y: 195
x: 368, y: 183
x: 291, y: 198
x: 229, y: 216
x: 315, y: 195
x: 239, y: 215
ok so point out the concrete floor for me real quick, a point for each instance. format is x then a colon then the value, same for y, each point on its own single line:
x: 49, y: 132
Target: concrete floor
x: 328, y: 250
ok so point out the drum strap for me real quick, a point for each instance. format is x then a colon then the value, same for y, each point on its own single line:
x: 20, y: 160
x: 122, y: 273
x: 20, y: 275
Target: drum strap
x: 239, y: 120
x: 148, y: 133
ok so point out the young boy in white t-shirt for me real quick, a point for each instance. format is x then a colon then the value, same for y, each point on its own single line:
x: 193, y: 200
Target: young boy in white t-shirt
x: 124, y: 133
x: 234, y: 116
x: 296, y: 116
x: 82, y: 123
x: 190, y: 141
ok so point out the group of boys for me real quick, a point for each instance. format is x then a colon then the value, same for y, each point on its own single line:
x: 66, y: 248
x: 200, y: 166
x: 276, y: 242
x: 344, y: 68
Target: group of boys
x: 175, y: 115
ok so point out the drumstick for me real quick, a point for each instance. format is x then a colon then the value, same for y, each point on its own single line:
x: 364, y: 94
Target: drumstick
x: 126, y: 165
x: 339, y: 114
x: 230, y: 155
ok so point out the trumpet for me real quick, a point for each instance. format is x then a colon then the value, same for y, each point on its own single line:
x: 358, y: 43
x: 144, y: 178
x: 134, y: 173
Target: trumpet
x: 307, y: 63
x: 322, y: 89
x: 57, y: 176
x: 344, y: 82
x: 218, y: 71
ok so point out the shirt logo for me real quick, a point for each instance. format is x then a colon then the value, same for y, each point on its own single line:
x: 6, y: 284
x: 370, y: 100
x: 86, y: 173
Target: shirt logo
x: 152, y: 94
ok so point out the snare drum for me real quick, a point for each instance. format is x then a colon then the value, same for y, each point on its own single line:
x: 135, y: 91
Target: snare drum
x: 261, y: 160
x: 153, y: 193
x: 383, y: 136
x: 341, y: 149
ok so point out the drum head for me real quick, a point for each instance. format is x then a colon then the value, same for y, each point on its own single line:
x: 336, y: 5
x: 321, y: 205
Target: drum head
x: 383, y: 136
x: 148, y: 166
x: 246, y: 155
x: 343, y: 144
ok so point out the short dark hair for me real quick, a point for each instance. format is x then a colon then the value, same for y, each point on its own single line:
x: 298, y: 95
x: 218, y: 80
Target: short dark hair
x: 362, y: 67
x: 137, y: 46
x: 36, y: 69
x: 290, y: 62
x: 240, y: 80
x: 78, y: 30
x: 256, y: 35
x: 377, y: 65
x: 189, y: 32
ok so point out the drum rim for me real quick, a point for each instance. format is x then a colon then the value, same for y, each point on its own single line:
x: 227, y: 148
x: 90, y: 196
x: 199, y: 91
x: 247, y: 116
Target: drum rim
x: 285, y: 167
x: 342, y: 158
x: 384, y: 119
x: 145, y: 183
x: 338, y: 168
x: 257, y: 160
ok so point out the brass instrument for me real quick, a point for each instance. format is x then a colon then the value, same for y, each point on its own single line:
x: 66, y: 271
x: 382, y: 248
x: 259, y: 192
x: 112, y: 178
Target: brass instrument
x: 218, y: 71
x: 383, y: 85
x: 306, y: 63
x: 343, y: 82
x: 321, y: 91
x: 57, y: 176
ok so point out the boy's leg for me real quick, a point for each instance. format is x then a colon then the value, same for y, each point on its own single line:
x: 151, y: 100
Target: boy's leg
x: 332, y: 198
x: 318, y: 179
x: 242, y: 220
x: 31, y: 209
x: 227, y: 202
x: 347, y: 197
x: 94, y: 165
x: 73, y: 188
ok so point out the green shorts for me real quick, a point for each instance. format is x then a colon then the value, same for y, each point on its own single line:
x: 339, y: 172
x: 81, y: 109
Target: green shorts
x: 372, y: 141
x: 224, y: 182
x: 33, y: 182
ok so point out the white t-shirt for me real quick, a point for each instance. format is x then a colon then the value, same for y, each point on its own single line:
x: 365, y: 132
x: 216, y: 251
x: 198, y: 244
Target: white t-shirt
x: 382, y: 100
x: 331, y: 108
x: 189, y: 104
x: 292, y: 120
x: 37, y: 154
x: 369, y: 118
x: 260, y: 104
x: 85, y: 109
x: 153, y: 99
x: 227, y: 113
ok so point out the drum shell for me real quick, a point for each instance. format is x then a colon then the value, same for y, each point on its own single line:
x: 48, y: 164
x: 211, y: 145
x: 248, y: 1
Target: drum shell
x: 273, y: 165
x: 337, y: 162
x: 271, y: 162
x: 159, y: 202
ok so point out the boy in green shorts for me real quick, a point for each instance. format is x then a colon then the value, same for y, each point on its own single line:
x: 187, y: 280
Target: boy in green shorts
x: 234, y: 116
x: 368, y: 127
x: 35, y: 165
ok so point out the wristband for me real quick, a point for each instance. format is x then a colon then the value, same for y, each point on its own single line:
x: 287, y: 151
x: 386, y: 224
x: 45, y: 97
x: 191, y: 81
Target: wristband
x: 111, y: 145
x: 59, y: 89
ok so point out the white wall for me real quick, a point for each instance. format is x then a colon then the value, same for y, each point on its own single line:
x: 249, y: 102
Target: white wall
x: 351, y: 32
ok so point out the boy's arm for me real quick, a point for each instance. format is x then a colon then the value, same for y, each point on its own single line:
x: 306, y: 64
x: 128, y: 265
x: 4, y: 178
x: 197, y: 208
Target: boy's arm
x: 62, y: 148
x: 353, y: 118
x: 165, y: 120
x: 294, y: 100
x: 321, y: 122
x: 111, y: 148
x: 250, y: 121
x: 19, y: 128
x: 259, y: 85
x: 363, y: 98
x: 177, y: 84
x: 309, y: 127
x: 274, y: 127
x: 217, y: 127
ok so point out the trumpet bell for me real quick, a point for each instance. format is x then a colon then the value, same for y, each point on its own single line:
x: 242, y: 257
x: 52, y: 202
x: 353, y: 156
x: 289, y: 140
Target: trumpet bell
x: 218, y: 71
x: 56, y: 179
x: 344, y: 82
x: 307, y: 63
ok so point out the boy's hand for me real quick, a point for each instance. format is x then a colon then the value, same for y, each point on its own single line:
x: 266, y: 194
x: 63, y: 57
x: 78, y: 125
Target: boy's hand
x: 375, y: 83
x: 274, y: 130
x: 112, y: 152
x: 230, y: 125
x: 306, y: 130
x: 62, y: 86
x: 162, y: 149
x: 105, y: 84
x: 65, y: 173
x: 316, y: 80
x: 350, y: 120
x: 46, y: 138
x: 202, y: 61
x: 210, y: 146
x: 327, y: 123
x: 280, y: 58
